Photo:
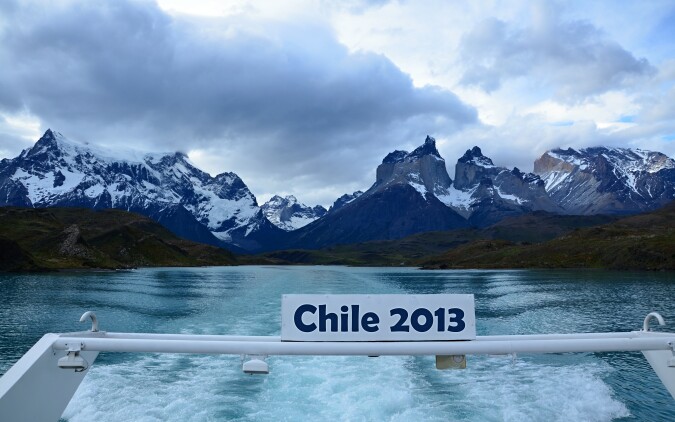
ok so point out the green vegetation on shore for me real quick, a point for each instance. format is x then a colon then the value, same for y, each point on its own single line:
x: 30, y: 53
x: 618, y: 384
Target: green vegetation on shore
x: 73, y: 238
x: 537, y: 240
x: 76, y: 238
x: 640, y: 242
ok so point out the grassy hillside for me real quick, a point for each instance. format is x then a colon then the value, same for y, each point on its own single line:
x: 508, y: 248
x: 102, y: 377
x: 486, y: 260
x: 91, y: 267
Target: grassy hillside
x: 74, y: 238
x: 641, y: 242
x: 411, y: 250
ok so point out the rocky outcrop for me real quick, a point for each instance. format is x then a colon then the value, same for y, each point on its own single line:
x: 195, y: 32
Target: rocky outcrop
x: 423, y: 169
x: 484, y: 193
x: 344, y: 200
x: 604, y: 180
x: 402, y: 201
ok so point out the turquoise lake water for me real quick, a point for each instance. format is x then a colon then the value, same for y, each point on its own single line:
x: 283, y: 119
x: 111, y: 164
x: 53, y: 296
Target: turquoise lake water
x: 246, y: 301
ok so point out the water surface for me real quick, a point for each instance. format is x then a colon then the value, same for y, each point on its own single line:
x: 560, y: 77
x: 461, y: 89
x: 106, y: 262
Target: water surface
x: 246, y: 301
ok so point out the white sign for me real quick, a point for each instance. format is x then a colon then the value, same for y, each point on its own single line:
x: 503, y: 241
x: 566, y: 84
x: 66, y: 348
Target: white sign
x: 378, y: 317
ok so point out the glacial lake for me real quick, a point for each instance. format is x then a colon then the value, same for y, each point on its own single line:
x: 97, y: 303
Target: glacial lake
x: 246, y: 301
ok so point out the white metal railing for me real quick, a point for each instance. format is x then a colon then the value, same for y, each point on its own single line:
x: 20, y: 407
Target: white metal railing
x: 552, y: 343
x: 50, y: 372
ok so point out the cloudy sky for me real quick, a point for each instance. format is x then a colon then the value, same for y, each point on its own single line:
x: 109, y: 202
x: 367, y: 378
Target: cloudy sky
x: 306, y: 97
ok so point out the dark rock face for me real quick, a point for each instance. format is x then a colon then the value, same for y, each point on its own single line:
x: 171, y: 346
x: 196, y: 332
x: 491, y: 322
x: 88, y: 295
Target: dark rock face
x: 472, y: 167
x: 183, y: 224
x: 604, y: 180
x: 484, y: 193
x: 427, y: 148
x: 402, y: 201
x: 13, y: 193
x: 395, y: 157
x: 390, y: 213
x: 489, y: 207
x: 344, y: 200
x: 424, y: 169
x: 57, y: 172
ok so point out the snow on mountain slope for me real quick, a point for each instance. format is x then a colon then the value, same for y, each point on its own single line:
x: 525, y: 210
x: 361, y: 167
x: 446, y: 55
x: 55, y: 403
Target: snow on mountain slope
x: 402, y: 201
x: 423, y: 169
x: 483, y: 191
x: 57, y: 171
x: 607, y: 180
x: 287, y: 214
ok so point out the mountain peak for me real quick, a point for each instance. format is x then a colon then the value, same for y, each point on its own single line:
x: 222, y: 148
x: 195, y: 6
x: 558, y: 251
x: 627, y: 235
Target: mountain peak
x: 46, y: 144
x: 48, y: 138
x: 600, y: 179
x: 423, y: 169
x: 475, y: 156
x: 344, y: 200
x: 58, y: 171
x: 397, y: 156
x: 49, y: 134
x: 623, y: 159
x: 288, y: 214
x: 278, y: 200
x: 428, y: 148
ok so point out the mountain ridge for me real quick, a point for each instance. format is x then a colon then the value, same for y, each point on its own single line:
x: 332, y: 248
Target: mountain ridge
x: 602, y: 179
x: 412, y: 192
x: 168, y: 188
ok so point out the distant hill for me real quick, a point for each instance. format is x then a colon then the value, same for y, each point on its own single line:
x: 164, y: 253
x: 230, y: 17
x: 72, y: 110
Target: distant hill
x: 640, y: 242
x: 535, y: 227
x: 76, y: 238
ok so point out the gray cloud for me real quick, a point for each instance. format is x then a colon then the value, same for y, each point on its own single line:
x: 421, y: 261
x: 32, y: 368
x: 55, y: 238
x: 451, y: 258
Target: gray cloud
x: 11, y: 139
x: 268, y: 97
x: 572, y: 58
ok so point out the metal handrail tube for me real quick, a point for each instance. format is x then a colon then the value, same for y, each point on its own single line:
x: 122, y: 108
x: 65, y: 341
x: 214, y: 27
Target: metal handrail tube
x: 491, y: 347
x: 194, y: 337
x: 219, y: 337
x: 630, y: 334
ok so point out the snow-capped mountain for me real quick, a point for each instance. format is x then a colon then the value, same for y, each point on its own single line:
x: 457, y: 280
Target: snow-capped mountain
x: 485, y: 193
x: 412, y: 192
x: 57, y: 171
x: 287, y: 214
x: 607, y: 180
x: 402, y: 201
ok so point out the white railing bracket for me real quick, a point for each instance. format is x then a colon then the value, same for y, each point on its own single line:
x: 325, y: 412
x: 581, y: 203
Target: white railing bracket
x: 648, y: 318
x: 94, y: 321
x: 255, y: 364
x: 72, y: 359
